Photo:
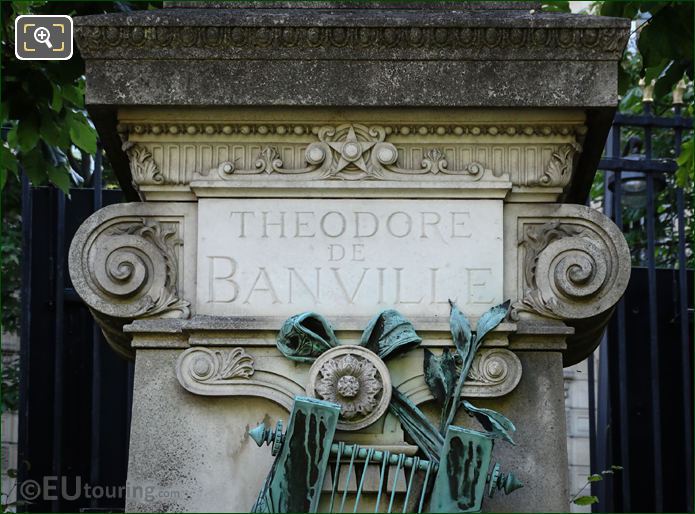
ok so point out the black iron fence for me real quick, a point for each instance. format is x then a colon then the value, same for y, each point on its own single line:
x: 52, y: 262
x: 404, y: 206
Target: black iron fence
x: 642, y: 419
x: 75, y: 392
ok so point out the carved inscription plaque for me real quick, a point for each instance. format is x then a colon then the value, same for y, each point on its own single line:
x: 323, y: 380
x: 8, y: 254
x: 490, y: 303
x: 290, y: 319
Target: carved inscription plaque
x: 348, y: 257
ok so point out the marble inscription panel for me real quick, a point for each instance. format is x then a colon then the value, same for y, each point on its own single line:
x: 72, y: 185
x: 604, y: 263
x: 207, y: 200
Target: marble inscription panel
x: 348, y: 257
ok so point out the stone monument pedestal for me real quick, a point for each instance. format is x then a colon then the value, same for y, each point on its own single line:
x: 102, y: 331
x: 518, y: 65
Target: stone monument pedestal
x: 345, y: 161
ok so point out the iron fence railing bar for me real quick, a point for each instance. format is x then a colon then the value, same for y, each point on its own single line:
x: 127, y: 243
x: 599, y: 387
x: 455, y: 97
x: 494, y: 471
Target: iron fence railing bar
x: 650, y: 166
x: 614, y: 150
x: 614, y: 438
x: 58, y: 382
x: 686, y: 374
x: 636, y: 120
x: 655, y: 378
x: 95, y: 448
x: 25, y: 334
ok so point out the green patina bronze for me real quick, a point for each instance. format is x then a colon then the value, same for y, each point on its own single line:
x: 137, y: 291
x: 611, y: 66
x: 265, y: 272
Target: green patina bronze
x: 295, y: 480
x: 389, y: 333
x: 460, y: 457
x: 305, y: 336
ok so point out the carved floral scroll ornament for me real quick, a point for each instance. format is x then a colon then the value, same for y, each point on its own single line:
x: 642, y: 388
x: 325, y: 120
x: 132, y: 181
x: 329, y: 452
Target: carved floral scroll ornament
x: 128, y: 269
x: 572, y: 270
x: 558, y: 171
x: 351, y: 152
x: 143, y: 168
x: 216, y: 366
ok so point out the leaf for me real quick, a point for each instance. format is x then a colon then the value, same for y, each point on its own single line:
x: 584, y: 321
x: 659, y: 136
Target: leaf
x: 57, y: 98
x: 60, y: 177
x: 615, y: 467
x: 498, y: 425
x: 417, y: 425
x: 585, y: 500
x: 490, y: 319
x: 440, y: 375
x: 82, y: 133
x: 686, y: 164
x: 460, y: 331
x: 35, y: 166
x: 28, y: 132
x: 74, y: 95
x: 8, y: 161
x: 607, y: 472
x: 594, y: 478
x: 52, y: 133
x: 556, y: 6
x: 12, y: 137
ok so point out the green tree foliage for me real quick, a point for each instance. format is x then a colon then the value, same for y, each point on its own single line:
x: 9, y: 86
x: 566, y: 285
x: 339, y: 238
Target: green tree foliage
x: 660, y: 55
x: 665, y: 42
x: 45, y: 124
x: 45, y: 131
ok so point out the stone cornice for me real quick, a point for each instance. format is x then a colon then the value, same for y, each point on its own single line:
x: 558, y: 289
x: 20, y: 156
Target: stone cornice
x: 447, y: 35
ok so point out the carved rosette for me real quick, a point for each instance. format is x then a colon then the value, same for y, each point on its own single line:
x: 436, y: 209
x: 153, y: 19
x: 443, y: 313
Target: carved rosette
x: 572, y: 269
x: 356, y: 379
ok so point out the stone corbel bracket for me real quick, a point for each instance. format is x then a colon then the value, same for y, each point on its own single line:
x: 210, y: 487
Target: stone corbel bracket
x: 568, y: 263
x: 127, y: 262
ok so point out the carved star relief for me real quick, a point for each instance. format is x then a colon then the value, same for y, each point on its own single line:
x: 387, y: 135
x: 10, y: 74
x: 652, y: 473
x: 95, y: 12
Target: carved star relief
x: 351, y: 151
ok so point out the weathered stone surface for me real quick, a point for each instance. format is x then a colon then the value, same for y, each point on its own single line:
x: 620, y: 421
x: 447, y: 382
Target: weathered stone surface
x: 348, y: 257
x: 358, y: 4
x: 258, y: 134
x: 572, y: 264
x: 289, y: 58
x: 126, y: 261
x: 426, y: 58
x: 452, y: 153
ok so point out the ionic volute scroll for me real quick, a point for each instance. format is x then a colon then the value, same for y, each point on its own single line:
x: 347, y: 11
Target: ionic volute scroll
x: 573, y: 266
x: 125, y: 265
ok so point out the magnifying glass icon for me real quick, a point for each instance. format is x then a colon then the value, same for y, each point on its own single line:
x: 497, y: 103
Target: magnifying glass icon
x: 43, y: 35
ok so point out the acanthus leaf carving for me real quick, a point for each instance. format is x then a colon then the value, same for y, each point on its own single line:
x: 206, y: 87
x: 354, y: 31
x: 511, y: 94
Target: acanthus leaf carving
x: 558, y: 171
x: 142, y: 165
x: 218, y: 366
